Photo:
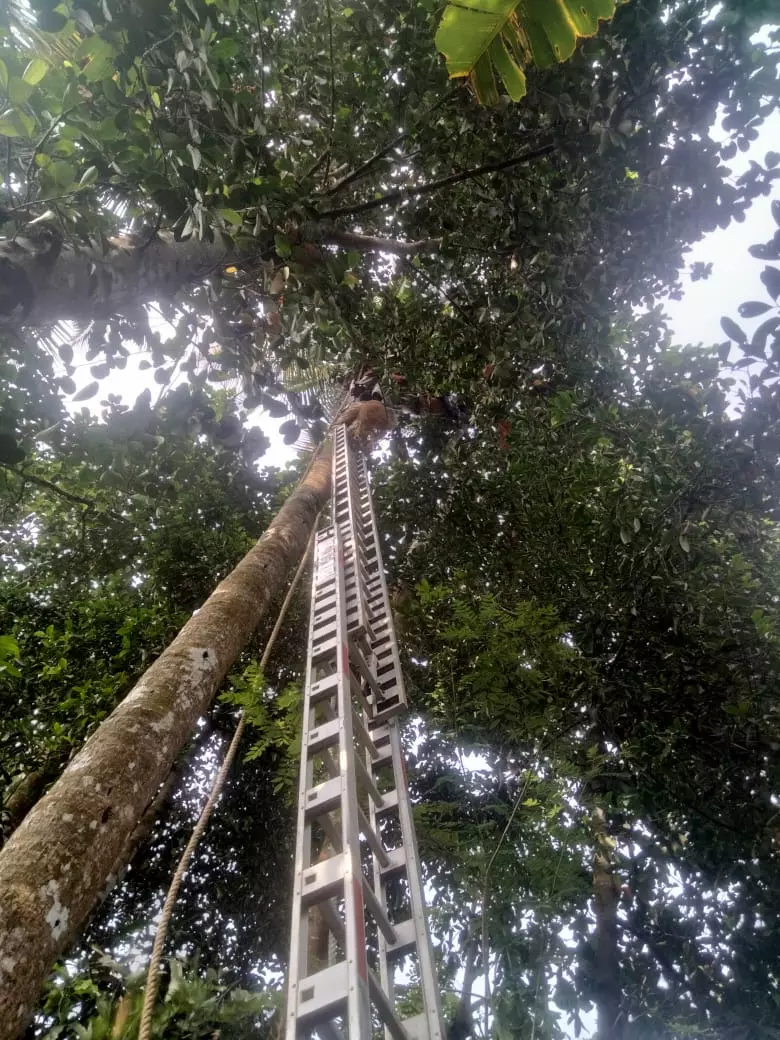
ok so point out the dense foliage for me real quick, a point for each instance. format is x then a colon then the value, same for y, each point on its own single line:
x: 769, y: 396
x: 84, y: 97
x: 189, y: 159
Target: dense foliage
x: 584, y: 565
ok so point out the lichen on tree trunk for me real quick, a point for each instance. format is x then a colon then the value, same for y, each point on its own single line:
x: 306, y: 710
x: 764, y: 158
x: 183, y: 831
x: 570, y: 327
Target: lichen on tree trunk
x: 56, y: 864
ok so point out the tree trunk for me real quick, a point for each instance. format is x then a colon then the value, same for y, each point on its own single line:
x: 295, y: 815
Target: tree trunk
x: 43, y: 282
x: 26, y: 793
x: 56, y: 864
x: 606, y: 894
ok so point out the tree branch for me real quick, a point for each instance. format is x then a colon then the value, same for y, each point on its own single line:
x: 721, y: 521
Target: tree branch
x: 42, y: 482
x: 411, y: 191
x: 371, y: 243
x: 365, y: 167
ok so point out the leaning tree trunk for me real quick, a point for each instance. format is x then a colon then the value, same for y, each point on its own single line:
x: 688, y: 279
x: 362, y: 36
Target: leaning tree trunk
x: 606, y: 895
x: 56, y: 864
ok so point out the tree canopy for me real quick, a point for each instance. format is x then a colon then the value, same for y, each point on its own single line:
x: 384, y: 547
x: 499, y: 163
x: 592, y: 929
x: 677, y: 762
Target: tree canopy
x: 255, y: 199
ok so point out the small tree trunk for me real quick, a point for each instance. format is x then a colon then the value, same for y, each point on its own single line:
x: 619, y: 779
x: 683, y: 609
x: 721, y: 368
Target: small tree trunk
x: 606, y: 895
x: 56, y: 864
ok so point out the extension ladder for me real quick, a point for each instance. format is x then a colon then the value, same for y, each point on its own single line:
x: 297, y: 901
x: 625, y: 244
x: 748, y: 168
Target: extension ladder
x: 357, y: 869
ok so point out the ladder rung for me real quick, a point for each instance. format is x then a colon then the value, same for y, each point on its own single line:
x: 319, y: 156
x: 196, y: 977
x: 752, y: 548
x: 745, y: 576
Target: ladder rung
x: 323, y: 736
x: 405, y: 940
x: 329, y: 1032
x: 325, y: 628
x: 318, y: 652
x: 380, y: 734
x: 379, y: 915
x: 374, y: 841
x: 389, y: 802
x: 396, y: 864
x: 385, y: 1008
x: 322, y: 995
x: 363, y: 735
x: 326, y: 687
x: 368, y: 781
x: 323, y: 798
x: 389, y: 710
x: 359, y: 693
x: 418, y: 1028
x: 360, y: 663
x: 322, y: 880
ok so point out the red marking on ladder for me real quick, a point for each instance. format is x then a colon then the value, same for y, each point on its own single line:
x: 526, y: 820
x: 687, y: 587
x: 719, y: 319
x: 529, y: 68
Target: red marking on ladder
x: 345, y: 657
x: 360, y: 930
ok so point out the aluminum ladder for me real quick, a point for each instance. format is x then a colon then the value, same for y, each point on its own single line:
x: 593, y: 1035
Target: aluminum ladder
x: 357, y: 868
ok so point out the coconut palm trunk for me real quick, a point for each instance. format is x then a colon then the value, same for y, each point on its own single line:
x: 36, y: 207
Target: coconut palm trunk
x: 60, y: 859
x: 43, y: 281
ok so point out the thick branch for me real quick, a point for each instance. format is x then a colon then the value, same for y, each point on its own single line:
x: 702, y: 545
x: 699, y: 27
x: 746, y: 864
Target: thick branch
x: 412, y: 191
x: 371, y: 244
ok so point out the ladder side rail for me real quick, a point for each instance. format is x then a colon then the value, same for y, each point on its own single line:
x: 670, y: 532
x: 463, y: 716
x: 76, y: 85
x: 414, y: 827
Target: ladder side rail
x: 385, y: 645
x: 299, y: 932
x: 428, y: 976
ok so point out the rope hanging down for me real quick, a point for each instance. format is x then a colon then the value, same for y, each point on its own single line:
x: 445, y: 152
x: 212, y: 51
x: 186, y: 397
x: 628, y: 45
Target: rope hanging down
x: 153, y: 973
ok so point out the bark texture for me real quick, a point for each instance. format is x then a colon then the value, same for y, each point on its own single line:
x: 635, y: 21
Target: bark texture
x: 26, y: 793
x: 59, y: 860
x: 606, y: 894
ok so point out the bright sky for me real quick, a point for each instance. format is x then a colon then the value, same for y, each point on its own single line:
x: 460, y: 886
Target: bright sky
x: 735, y: 273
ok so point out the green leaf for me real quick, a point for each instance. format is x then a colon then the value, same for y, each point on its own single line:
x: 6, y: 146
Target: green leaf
x: 732, y: 330
x: 290, y: 431
x: 63, y: 174
x: 475, y: 35
x: 89, y: 176
x: 752, y: 308
x: 14, y: 123
x: 770, y: 276
x: 510, y: 72
x: 9, y: 648
x: 195, y: 156
x: 101, y: 57
x: 232, y: 216
x: 3, y: 75
x: 762, y: 334
x: 227, y: 47
x: 685, y: 545
x: 86, y: 392
x: 18, y: 91
x: 282, y: 245
x: 35, y: 71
